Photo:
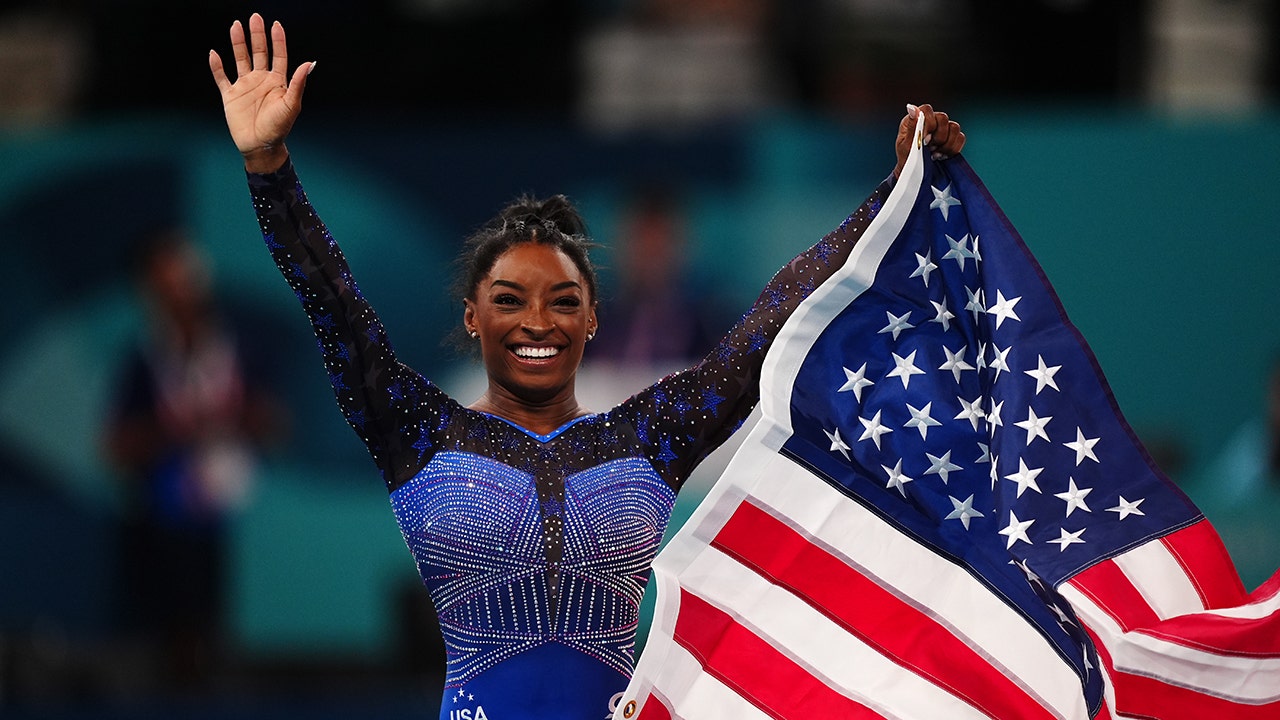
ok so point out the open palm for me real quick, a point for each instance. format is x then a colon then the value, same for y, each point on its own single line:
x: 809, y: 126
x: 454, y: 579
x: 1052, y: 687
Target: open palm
x: 263, y: 102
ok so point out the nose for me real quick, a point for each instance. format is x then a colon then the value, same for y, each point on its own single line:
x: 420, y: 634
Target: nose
x: 537, y: 322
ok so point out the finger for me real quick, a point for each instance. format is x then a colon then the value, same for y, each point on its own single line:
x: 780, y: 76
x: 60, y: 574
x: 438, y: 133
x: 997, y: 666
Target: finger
x: 280, y: 50
x: 941, y: 129
x: 258, y: 41
x: 219, y: 74
x: 298, y: 84
x: 239, y: 49
x: 956, y: 141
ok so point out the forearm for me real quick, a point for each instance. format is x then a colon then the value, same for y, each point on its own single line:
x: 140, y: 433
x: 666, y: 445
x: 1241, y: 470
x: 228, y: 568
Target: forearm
x: 357, y: 355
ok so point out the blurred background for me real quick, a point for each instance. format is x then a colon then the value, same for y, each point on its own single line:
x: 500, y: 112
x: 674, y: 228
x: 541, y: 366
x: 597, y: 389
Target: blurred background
x: 1131, y: 143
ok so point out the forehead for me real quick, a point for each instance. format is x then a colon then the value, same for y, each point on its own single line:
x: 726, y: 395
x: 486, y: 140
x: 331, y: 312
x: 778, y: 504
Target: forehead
x: 533, y: 263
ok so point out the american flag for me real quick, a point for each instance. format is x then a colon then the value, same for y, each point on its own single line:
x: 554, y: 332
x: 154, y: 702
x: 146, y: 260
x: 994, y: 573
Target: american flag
x: 943, y: 514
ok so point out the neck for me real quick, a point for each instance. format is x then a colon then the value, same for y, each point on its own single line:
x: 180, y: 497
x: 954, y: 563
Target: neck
x: 537, y: 417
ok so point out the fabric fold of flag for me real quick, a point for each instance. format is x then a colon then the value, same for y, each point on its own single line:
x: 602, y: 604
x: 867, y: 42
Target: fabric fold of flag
x: 943, y: 513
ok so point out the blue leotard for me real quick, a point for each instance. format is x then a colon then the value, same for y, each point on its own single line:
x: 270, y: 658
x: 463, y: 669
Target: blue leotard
x: 535, y: 548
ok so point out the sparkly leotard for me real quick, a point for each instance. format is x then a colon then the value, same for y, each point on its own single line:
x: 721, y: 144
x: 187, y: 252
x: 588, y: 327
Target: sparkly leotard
x: 535, y: 548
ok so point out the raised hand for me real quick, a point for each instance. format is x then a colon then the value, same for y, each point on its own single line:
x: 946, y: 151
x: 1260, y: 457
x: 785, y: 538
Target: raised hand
x: 263, y: 102
x: 942, y: 135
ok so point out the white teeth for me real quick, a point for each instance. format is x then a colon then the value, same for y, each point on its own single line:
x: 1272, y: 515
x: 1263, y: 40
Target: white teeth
x: 536, y: 352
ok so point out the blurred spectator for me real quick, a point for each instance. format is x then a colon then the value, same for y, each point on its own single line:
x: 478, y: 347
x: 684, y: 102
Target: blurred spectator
x: 43, y: 58
x: 182, y: 436
x: 659, y: 316
x: 673, y: 65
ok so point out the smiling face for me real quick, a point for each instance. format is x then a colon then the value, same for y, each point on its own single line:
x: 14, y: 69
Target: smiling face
x: 533, y: 312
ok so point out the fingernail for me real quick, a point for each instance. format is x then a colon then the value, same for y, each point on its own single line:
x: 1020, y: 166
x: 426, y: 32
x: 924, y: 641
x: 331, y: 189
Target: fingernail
x: 912, y: 110
x: 928, y: 138
x: 313, y: 67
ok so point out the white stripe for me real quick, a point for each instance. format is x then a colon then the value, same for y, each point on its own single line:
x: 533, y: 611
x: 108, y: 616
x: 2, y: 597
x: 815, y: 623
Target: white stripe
x: 837, y: 658
x: 694, y: 695
x: 1250, y: 680
x: 1160, y: 579
x: 932, y: 584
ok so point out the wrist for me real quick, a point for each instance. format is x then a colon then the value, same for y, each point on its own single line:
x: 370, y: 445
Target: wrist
x: 265, y: 160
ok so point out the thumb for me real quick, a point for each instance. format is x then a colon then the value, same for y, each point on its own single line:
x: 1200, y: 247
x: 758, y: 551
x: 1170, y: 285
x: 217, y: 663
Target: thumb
x: 298, y: 83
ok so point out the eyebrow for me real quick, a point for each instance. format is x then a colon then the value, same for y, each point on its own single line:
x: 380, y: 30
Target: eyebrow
x: 554, y: 288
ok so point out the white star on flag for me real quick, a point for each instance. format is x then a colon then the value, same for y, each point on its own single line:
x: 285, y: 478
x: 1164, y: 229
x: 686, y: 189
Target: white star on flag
x: 1016, y: 530
x: 955, y: 361
x: 1083, y: 447
x: 1074, y: 497
x: 1034, y: 425
x: 1067, y: 539
x: 974, y: 305
x: 837, y: 444
x: 942, y: 200
x: 921, y: 419
x: 971, y: 411
x: 1000, y: 360
x: 1003, y: 309
x: 1044, y: 375
x: 924, y: 267
x: 897, y: 323
x: 1025, y: 477
x: 897, y: 479
x: 959, y: 250
x: 856, y: 381
x: 942, y: 315
x: 873, y: 429
x: 1126, y: 508
x: 942, y: 467
x: 963, y: 511
x: 905, y: 368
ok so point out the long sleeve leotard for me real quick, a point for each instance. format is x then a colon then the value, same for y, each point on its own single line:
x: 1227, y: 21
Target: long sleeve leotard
x: 535, y: 548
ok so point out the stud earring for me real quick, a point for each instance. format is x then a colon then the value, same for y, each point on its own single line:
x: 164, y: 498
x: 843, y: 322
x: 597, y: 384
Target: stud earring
x: 590, y: 336
x: 475, y: 335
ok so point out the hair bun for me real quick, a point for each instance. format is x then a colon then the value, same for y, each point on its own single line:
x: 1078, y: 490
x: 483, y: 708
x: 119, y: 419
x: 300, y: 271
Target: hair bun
x: 556, y: 212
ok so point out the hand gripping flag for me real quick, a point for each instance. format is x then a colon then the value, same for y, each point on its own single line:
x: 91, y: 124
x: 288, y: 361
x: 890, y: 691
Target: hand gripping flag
x: 943, y: 514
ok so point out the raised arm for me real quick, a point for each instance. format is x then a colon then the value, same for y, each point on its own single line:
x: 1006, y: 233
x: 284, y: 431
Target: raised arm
x: 692, y: 412
x: 263, y: 102
x: 394, y: 410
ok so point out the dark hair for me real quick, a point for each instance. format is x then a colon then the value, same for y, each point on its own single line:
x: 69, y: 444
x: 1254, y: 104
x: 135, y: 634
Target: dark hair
x: 553, y: 221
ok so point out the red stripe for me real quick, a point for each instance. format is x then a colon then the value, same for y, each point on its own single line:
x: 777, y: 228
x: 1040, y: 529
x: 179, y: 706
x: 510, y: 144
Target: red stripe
x: 1203, y: 557
x: 756, y: 670
x: 1244, y: 637
x: 654, y: 709
x: 1139, y: 696
x: 1147, y: 697
x: 1110, y: 589
x: 1196, y: 546
x: 880, y: 619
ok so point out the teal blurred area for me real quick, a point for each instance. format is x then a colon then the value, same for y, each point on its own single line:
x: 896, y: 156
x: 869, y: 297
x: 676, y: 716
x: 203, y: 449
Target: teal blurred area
x: 1156, y: 232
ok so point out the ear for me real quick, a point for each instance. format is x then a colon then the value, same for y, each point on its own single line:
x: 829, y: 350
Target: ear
x: 468, y: 315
